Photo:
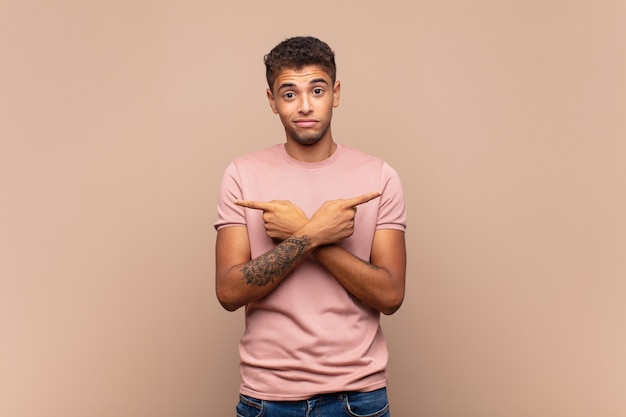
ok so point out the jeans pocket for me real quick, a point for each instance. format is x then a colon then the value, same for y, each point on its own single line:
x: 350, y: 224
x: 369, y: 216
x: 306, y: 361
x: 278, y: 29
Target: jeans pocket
x: 367, y: 404
x: 249, y: 407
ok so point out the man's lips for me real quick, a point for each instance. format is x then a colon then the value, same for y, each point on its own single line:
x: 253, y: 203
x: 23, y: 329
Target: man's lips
x: 305, y: 122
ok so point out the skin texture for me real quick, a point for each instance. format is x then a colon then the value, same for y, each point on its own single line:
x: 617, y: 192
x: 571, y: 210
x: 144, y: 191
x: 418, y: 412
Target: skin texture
x: 304, y: 99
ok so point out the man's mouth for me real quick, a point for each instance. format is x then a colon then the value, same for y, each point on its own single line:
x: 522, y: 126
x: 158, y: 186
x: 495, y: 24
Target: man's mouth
x: 306, y: 123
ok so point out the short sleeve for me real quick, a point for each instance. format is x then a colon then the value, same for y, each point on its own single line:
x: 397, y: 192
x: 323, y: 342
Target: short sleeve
x: 228, y: 213
x: 392, y: 210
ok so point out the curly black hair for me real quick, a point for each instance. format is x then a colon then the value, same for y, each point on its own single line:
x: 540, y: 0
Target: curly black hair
x: 298, y: 52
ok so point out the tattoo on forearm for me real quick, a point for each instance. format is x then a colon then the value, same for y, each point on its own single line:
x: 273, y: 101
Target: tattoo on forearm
x: 277, y: 262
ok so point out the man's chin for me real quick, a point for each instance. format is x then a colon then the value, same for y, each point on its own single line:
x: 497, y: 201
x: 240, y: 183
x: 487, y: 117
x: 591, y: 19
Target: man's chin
x: 307, y: 141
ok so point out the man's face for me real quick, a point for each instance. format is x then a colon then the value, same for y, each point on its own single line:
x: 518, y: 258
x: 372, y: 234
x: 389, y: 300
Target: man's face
x: 304, y: 101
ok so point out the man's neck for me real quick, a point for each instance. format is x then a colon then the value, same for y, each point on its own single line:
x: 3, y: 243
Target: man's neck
x: 311, y: 153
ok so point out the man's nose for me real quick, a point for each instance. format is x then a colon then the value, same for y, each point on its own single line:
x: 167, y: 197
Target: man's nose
x: 306, y: 106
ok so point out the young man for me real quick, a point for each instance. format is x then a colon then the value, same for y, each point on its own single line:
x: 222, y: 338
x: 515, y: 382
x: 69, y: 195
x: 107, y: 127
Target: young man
x: 311, y: 241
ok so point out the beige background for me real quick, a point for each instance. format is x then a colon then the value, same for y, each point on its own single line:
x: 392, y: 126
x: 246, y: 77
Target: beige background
x: 505, y: 120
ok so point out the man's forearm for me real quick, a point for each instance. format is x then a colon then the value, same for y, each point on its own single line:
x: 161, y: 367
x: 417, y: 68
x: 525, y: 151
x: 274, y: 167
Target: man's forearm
x: 276, y: 263
x: 369, y: 283
x: 259, y: 276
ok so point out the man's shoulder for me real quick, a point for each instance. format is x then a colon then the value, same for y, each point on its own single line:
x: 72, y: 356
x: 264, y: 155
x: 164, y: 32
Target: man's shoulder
x: 367, y: 162
x: 360, y: 156
x: 263, y: 155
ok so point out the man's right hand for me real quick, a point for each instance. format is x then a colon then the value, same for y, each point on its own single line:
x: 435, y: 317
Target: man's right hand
x: 334, y: 220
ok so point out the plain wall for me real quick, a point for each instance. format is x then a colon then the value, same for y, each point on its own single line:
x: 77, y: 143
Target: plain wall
x: 506, y: 121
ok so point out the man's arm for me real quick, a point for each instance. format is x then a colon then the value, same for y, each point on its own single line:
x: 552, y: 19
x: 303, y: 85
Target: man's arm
x: 379, y: 283
x: 239, y: 279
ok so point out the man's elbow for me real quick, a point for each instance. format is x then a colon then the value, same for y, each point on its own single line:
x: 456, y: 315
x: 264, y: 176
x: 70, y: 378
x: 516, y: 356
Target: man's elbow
x: 227, y: 301
x: 392, y: 304
x: 229, y: 306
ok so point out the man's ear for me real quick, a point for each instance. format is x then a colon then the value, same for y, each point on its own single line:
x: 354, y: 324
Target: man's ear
x: 336, y: 93
x: 270, y: 98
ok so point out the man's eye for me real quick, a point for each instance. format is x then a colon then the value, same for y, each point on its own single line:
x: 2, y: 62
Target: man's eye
x: 289, y: 95
x: 318, y: 91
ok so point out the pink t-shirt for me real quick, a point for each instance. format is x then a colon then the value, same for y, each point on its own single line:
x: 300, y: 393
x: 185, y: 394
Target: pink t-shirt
x: 310, y: 336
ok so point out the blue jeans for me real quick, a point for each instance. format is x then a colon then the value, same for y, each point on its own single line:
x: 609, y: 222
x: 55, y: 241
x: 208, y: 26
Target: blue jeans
x: 344, y: 404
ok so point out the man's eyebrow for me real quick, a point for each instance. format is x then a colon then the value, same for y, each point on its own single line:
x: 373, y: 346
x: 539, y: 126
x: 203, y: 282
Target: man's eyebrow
x: 318, y: 80
x: 286, y: 85
x: 313, y: 81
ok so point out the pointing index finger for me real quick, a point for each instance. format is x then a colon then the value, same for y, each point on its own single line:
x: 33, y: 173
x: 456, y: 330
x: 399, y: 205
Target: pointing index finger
x: 364, y: 198
x: 255, y: 205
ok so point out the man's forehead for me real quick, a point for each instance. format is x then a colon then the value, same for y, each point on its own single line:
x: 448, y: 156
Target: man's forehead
x: 302, y: 75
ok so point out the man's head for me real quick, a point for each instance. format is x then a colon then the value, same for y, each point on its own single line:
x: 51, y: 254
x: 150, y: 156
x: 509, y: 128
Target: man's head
x: 296, y: 53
